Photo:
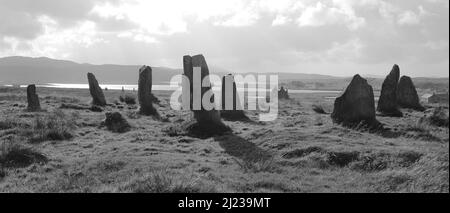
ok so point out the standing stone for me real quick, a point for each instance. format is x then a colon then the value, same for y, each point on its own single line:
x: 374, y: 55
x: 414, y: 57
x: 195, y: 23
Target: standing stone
x: 145, y: 91
x: 356, y: 105
x: 98, y: 98
x: 116, y: 123
x: 208, y: 122
x: 387, y: 104
x: 33, y: 99
x: 407, y: 95
x: 283, y: 93
x: 231, y: 105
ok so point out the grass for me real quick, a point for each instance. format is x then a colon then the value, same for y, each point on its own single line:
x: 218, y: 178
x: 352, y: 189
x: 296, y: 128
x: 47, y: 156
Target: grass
x: 423, y: 129
x: 54, y: 126
x: 439, y: 117
x: 7, y: 122
x: 263, y: 164
x: 164, y: 182
x: 128, y: 99
x: 16, y: 155
x: 318, y: 109
x: 254, y: 157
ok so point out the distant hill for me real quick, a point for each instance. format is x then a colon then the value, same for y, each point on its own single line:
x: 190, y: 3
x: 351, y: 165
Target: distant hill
x: 25, y: 70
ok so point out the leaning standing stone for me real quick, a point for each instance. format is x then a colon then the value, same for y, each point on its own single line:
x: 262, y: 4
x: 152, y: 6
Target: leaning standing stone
x: 98, y: 98
x: 145, y: 91
x: 33, y: 99
x: 387, y: 104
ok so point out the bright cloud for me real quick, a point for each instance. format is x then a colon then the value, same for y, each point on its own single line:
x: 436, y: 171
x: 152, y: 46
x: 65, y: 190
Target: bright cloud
x: 240, y: 35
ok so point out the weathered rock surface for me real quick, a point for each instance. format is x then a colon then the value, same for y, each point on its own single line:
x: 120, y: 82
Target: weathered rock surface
x: 407, y: 94
x: 208, y: 122
x: 98, y: 98
x: 116, y: 123
x: 145, y: 91
x: 231, y: 105
x: 387, y: 104
x: 356, y: 105
x: 33, y: 99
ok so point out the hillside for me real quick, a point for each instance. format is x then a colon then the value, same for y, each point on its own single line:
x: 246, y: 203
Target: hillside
x: 24, y: 70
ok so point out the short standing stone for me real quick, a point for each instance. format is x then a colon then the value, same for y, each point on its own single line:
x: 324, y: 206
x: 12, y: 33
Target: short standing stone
x: 116, y: 123
x: 145, y: 91
x: 32, y: 98
x: 387, y: 104
x: 356, y: 105
x: 407, y: 94
x: 98, y: 98
x: 283, y: 93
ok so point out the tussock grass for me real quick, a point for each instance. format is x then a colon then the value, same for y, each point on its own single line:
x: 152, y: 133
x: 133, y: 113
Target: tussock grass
x: 298, y: 153
x: 70, y: 100
x: 255, y: 165
x: 8, y: 89
x: 317, y: 157
x: 54, y: 126
x: 13, y: 154
x: 7, y: 122
x: 439, y: 117
x: 423, y: 129
x: 12, y: 97
x: 128, y: 99
x: 164, y: 182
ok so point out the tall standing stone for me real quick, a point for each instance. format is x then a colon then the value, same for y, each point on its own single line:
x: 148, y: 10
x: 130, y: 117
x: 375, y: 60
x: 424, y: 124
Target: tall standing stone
x: 231, y: 105
x: 207, y: 121
x: 98, y: 98
x: 387, y: 104
x: 407, y: 94
x: 33, y: 99
x: 356, y: 105
x: 145, y: 91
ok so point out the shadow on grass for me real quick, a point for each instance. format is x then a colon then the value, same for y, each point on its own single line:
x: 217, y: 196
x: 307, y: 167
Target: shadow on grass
x: 373, y: 127
x: 247, y: 155
x: 241, y: 148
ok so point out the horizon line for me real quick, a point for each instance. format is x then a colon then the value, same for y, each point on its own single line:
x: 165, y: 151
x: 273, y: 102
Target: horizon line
x: 228, y: 71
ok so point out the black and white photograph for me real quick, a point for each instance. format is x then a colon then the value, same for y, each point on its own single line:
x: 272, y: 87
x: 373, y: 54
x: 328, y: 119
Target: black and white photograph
x: 259, y: 97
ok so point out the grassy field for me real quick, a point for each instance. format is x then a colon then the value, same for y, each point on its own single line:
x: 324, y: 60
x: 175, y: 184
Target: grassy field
x: 68, y: 150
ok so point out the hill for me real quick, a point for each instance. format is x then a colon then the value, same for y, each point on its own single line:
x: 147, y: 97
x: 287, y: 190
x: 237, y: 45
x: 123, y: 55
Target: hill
x: 25, y: 70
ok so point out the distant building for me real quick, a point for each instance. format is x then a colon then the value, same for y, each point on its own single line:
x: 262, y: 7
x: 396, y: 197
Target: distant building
x: 424, y: 98
x: 441, y: 98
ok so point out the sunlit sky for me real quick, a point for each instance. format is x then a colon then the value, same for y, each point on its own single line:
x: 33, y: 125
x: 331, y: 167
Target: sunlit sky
x: 333, y: 37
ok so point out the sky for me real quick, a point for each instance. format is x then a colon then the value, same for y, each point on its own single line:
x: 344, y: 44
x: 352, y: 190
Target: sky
x: 333, y: 37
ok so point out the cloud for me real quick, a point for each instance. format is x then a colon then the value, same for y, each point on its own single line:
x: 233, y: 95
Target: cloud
x: 321, y: 14
x: 408, y: 18
x: 251, y: 35
x: 280, y: 20
x: 24, y: 25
